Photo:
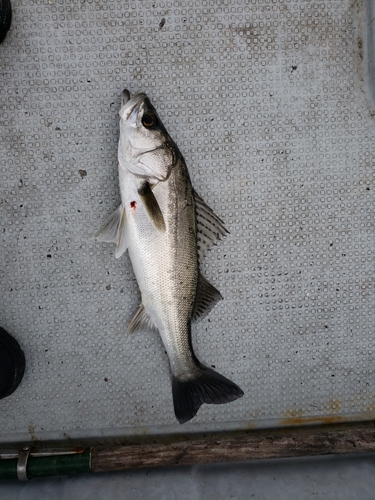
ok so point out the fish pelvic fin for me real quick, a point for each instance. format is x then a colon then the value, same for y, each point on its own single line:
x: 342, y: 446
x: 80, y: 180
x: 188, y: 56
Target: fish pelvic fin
x: 206, y: 298
x: 152, y: 206
x: 109, y: 229
x: 207, y: 387
x: 121, y: 245
x: 141, y: 321
x: 113, y: 230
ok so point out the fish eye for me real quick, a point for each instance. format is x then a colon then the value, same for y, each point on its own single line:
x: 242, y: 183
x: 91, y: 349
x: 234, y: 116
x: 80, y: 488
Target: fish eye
x: 150, y: 120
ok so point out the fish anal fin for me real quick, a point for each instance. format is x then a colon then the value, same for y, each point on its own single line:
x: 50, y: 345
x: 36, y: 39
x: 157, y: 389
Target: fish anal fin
x: 152, y: 206
x: 210, y: 228
x: 141, y: 321
x: 206, y: 298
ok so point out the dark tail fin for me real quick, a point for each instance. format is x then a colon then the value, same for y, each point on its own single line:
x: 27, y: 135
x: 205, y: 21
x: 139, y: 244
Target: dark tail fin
x: 208, y: 387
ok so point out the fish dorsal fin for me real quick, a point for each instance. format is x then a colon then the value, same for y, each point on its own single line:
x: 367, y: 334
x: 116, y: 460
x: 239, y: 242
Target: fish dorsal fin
x: 113, y: 230
x: 210, y: 228
x: 206, y: 298
x: 152, y: 206
x: 141, y: 321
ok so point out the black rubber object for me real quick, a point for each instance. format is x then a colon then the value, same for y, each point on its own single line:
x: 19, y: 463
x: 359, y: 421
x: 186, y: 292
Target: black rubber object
x: 5, y: 18
x: 12, y: 364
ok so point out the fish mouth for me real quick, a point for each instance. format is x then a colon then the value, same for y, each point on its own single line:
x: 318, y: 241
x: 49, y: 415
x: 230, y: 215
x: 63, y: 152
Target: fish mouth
x: 125, y: 97
x: 130, y: 105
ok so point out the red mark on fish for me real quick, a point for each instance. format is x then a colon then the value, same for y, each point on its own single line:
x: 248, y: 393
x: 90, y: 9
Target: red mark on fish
x: 133, y: 204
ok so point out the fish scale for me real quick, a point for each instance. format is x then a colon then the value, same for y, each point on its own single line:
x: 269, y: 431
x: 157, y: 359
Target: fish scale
x: 160, y: 221
x: 168, y: 288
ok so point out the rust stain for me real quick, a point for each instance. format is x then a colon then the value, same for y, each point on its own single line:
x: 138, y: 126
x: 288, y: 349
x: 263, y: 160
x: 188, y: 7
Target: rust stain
x: 334, y: 419
x: 370, y: 408
x: 334, y: 406
x: 77, y: 450
x: 331, y: 419
x: 296, y: 412
x: 251, y: 424
x: 31, y: 430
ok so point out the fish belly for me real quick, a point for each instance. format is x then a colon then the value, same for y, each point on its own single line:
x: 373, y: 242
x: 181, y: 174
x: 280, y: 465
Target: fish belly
x: 165, y: 262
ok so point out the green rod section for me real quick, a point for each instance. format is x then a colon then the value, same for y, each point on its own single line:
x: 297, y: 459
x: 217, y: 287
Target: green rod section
x: 56, y: 465
x: 8, y: 468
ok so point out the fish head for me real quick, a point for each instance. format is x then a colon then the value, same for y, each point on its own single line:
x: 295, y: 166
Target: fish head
x: 145, y: 147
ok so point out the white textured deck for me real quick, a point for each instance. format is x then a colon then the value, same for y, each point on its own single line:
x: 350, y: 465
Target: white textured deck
x: 268, y: 102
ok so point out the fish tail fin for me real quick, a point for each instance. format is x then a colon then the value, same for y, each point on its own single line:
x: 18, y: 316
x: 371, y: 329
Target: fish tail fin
x: 207, y: 387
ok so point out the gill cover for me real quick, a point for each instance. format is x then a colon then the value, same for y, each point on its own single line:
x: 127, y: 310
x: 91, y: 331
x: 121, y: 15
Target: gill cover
x: 145, y: 147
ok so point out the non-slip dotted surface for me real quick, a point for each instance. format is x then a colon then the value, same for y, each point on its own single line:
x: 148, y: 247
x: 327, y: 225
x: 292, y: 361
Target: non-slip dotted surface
x: 266, y: 100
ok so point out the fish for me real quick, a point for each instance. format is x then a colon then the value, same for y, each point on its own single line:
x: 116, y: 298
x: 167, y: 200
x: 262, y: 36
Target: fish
x: 166, y: 228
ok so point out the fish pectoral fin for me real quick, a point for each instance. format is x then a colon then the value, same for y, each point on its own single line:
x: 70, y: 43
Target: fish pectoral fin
x: 113, y: 230
x: 207, y: 297
x: 152, y: 206
x: 141, y: 321
x: 210, y: 228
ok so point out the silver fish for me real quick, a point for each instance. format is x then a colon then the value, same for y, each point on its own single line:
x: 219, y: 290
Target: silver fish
x: 166, y: 227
